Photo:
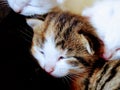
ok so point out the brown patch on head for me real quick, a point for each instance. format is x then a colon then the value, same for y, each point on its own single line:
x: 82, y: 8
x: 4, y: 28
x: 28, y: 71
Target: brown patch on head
x: 69, y: 29
x: 72, y: 33
x: 38, y: 36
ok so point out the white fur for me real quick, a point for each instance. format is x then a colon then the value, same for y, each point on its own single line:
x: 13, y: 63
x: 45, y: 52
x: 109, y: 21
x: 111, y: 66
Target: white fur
x: 105, y: 17
x: 31, y: 7
x: 49, y: 56
x: 49, y: 61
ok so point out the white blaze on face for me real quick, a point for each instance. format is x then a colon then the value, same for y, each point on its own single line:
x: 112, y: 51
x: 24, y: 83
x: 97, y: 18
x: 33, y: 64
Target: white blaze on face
x: 49, y: 58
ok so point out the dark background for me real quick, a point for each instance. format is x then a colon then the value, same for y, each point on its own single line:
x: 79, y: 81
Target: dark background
x: 18, y: 69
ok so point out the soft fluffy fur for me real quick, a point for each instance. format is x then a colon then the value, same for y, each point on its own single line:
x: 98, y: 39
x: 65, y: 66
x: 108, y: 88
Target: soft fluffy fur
x: 32, y: 7
x: 105, y: 17
x: 66, y: 45
x: 63, y: 36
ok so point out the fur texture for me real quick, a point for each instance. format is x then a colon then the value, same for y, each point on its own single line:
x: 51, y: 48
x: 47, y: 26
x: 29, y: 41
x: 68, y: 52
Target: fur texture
x: 105, y: 17
x: 32, y: 7
x: 107, y: 10
x: 61, y: 38
x: 66, y: 45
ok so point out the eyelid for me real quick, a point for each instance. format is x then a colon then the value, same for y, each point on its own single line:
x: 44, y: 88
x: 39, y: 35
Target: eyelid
x: 41, y: 51
x: 61, y: 57
x: 65, y: 57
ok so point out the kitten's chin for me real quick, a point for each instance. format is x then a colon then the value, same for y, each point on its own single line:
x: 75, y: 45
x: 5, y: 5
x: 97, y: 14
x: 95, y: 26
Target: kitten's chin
x: 58, y: 73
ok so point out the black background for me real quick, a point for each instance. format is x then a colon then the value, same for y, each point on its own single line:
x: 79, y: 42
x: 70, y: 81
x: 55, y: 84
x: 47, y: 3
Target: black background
x: 18, y: 69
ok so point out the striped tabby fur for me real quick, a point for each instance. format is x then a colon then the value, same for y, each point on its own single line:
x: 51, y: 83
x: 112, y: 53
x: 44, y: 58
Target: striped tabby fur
x: 74, y: 36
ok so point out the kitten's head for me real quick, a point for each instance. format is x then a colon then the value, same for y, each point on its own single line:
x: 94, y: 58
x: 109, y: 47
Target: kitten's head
x: 64, y: 43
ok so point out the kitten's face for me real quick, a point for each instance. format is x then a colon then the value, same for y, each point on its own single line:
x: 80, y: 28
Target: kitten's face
x: 60, y: 46
x: 31, y: 7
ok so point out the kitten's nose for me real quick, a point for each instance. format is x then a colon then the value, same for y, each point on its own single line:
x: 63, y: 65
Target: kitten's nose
x: 49, y: 69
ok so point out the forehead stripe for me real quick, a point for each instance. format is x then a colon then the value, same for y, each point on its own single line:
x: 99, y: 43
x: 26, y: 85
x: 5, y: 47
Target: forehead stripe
x: 81, y: 60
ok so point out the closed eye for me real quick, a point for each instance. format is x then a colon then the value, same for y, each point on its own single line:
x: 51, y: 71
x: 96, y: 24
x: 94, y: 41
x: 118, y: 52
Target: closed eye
x: 42, y: 52
x: 61, y: 57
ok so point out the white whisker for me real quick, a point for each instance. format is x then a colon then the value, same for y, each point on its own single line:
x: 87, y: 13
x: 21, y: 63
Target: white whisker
x: 27, y: 30
x: 66, y: 80
x: 28, y: 38
x: 25, y: 34
x: 63, y: 80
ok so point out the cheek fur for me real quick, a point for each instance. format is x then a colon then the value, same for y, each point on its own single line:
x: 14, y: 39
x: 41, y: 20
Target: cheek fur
x: 38, y: 56
x: 61, y: 69
x: 65, y: 67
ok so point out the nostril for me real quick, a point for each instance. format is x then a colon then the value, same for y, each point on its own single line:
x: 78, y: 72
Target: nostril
x: 61, y: 57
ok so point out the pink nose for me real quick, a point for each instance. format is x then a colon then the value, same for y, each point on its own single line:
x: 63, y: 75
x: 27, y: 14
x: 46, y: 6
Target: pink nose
x: 49, y: 69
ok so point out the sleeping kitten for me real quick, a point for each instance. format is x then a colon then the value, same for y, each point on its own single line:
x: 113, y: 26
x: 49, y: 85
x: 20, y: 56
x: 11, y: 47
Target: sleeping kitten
x: 106, y: 10
x: 66, y: 45
x: 105, y: 17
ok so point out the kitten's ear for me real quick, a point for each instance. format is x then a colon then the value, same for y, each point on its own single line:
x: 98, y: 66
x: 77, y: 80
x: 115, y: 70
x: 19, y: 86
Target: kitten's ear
x: 87, y: 45
x: 34, y: 22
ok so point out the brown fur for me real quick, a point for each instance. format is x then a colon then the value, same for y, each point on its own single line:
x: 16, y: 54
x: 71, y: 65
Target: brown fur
x: 73, y: 32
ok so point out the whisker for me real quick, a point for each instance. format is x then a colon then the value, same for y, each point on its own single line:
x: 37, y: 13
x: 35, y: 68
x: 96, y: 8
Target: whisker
x: 63, y: 80
x: 71, y: 78
x: 67, y: 80
x: 26, y: 30
x: 27, y: 40
x: 75, y: 75
x: 26, y: 34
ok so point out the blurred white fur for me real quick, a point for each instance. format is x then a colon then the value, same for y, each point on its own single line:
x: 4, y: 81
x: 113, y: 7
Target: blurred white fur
x: 105, y: 17
x: 31, y: 7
